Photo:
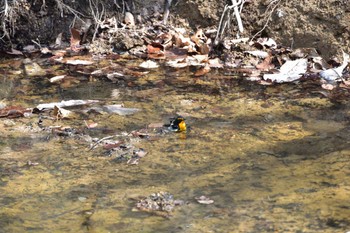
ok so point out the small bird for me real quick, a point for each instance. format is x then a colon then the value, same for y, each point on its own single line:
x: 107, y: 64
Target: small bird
x: 178, y: 124
x: 334, y: 74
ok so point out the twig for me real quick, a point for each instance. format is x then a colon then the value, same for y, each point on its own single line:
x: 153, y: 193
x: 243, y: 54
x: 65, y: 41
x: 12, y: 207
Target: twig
x: 268, y: 18
x: 37, y: 43
x: 97, y: 15
x: 61, y: 6
x: 226, y: 13
x: 237, y: 14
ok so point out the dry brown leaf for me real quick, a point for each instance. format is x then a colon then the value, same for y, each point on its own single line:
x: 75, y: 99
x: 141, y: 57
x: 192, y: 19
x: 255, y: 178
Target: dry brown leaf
x: 74, y: 39
x: 204, y: 49
x: 199, y: 37
x: 61, y: 113
x: 13, y: 112
x: 154, y: 49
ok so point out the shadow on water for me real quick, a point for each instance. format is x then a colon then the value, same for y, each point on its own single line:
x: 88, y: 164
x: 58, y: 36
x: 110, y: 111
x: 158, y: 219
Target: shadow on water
x: 273, y: 159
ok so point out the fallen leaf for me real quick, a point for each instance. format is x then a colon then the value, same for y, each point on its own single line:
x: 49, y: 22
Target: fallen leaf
x: 176, y: 53
x: 13, y: 112
x: 63, y: 103
x: 199, y: 37
x: 181, y: 41
x: 215, y: 63
x: 289, y: 71
x: 331, y: 75
x: 177, y: 63
x: 258, y: 53
x: 75, y: 38
x: 202, y: 71
x: 266, y: 64
x: 154, y: 49
x: 114, y: 75
x: 61, y: 113
x: 268, y: 42
x: 79, y: 62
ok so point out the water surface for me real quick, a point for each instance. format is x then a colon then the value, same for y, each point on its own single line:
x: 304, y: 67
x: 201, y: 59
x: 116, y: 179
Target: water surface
x: 273, y: 158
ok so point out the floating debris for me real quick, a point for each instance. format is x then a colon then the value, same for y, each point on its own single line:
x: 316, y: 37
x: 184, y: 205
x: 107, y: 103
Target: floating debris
x: 159, y: 202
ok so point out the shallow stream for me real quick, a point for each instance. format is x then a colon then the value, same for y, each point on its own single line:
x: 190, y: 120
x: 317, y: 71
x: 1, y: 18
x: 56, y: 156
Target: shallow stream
x: 272, y: 158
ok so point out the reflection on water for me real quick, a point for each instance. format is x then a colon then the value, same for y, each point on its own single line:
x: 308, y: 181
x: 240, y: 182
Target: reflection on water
x: 271, y: 162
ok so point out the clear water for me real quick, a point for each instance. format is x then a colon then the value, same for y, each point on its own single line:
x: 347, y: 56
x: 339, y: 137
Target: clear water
x: 273, y: 158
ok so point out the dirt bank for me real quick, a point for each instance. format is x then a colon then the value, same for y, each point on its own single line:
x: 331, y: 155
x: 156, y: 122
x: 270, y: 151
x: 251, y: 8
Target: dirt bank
x: 324, y: 25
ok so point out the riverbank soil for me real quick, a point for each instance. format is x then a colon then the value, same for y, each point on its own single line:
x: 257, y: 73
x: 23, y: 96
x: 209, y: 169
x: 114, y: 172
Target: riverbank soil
x: 324, y: 25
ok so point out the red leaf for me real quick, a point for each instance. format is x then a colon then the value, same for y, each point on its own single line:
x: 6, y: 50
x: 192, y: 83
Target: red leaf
x: 13, y: 112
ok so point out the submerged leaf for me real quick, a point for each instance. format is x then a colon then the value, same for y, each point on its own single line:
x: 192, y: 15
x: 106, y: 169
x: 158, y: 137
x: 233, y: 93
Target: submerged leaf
x: 63, y: 103
x: 204, y: 200
x: 118, y: 109
x: 33, y: 69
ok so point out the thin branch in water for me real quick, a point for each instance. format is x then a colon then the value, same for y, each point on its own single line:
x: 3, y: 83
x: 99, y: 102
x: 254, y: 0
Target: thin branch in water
x: 99, y: 141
